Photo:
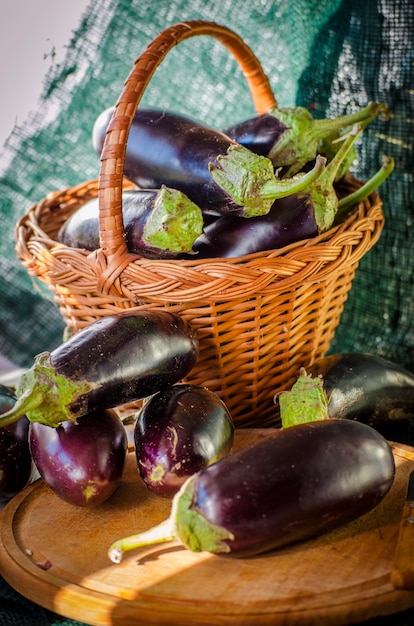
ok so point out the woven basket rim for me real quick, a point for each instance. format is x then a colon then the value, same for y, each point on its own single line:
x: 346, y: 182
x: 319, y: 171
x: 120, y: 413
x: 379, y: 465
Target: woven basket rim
x: 308, y: 259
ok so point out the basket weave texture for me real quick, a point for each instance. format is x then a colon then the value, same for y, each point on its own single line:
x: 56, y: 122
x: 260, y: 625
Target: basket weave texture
x: 259, y: 318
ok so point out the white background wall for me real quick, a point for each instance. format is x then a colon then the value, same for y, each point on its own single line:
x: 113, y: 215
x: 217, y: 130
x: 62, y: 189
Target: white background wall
x: 29, y: 31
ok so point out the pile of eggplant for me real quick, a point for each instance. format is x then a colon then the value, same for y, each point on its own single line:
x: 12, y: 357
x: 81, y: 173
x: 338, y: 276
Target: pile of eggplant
x: 201, y: 192
x: 258, y: 185
x: 329, y: 462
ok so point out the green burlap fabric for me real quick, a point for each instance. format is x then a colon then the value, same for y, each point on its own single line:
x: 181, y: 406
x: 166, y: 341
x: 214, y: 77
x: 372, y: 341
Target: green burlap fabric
x: 331, y: 56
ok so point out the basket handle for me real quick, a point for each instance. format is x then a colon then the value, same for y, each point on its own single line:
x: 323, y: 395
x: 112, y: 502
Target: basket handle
x: 111, y: 226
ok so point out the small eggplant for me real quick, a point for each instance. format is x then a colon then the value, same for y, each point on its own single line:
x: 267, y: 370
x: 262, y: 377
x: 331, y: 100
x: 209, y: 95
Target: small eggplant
x: 294, y: 484
x: 82, y: 463
x: 297, y: 217
x: 356, y: 386
x: 178, y: 432
x: 213, y: 171
x: 15, y: 459
x: 117, y: 359
x: 291, y: 138
x: 158, y: 223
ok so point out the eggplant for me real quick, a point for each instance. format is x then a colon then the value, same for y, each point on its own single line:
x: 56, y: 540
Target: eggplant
x: 158, y: 223
x: 214, y: 172
x: 82, y: 463
x: 291, y: 138
x: 297, y: 217
x: 178, y: 432
x: 117, y: 359
x: 15, y: 458
x: 294, y: 484
x: 357, y: 386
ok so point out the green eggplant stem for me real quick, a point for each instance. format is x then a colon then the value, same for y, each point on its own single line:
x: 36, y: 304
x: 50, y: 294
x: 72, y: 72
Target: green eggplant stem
x: 43, y: 395
x: 175, y: 222
x: 161, y: 533
x: 367, y: 188
x: 298, y: 145
x: 305, y: 402
x: 322, y: 191
x: 184, y: 524
x: 249, y: 179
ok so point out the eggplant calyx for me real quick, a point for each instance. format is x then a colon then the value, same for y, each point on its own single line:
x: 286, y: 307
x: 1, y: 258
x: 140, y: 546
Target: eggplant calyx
x: 368, y: 187
x: 242, y: 174
x: 185, y: 524
x: 43, y: 395
x: 305, y: 402
x: 175, y: 222
x: 193, y: 529
x: 299, y: 143
x: 322, y: 191
x: 257, y: 188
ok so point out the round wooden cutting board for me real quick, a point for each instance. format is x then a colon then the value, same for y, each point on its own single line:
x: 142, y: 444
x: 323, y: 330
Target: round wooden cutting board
x: 55, y: 554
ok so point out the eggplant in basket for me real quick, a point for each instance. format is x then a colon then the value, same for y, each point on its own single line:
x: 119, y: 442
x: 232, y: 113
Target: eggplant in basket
x: 216, y: 173
x: 297, y: 217
x: 158, y: 223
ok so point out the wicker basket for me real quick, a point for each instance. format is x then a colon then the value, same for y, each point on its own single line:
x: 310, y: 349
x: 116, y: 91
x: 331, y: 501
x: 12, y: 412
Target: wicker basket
x: 259, y: 318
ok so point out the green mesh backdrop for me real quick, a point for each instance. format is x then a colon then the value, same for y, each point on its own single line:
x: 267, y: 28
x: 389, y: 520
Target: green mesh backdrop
x: 331, y: 56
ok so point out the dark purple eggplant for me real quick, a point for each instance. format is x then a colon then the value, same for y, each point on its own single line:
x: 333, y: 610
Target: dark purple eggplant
x: 213, y: 171
x: 291, y: 138
x: 15, y: 459
x: 292, y: 485
x: 297, y: 217
x: 158, y: 223
x: 117, y: 359
x: 82, y: 463
x: 363, y: 387
x: 178, y: 432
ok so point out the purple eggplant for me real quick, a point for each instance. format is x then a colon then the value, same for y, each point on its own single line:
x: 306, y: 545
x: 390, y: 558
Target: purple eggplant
x: 117, y: 359
x: 297, y: 217
x: 15, y: 458
x: 213, y: 171
x: 291, y: 138
x: 294, y: 484
x: 158, y: 223
x: 82, y: 463
x: 362, y: 387
x: 178, y: 432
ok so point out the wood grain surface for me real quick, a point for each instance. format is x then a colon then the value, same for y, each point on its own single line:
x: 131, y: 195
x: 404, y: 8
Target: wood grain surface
x: 55, y: 554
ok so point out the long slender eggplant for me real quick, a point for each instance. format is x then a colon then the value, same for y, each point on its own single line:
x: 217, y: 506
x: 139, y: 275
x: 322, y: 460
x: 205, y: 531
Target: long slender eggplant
x: 215, y: 172
x: 297, y: 217
x: 290, y: 137
x: 117, y: 359
x: 82, y: 463
x: 178, y: 432
x: 292, y: 485
x: 15, y: 458
x: 355, y: 386
x: 158, y: 223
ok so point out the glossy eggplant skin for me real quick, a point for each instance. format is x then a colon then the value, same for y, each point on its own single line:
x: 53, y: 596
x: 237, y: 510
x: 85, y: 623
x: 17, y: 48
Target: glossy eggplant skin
x: 127, y: 357
x: 15, y: 458
x: 298, y: 483
x: 370, y: 389
x: 178, y: 432
x: 290, y: 219
x: 169, y: 149
x: 259, y: 134
x: 117, y: 359
x: 81, y: 462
